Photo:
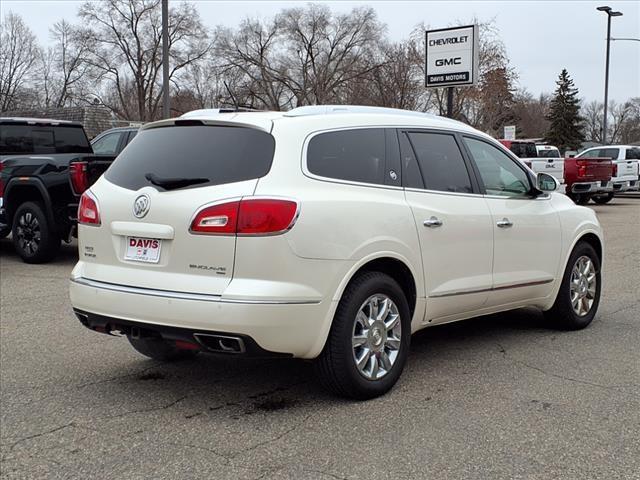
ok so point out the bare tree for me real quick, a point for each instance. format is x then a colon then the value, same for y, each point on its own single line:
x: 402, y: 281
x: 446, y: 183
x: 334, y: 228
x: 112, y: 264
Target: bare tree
x: 124, y: 41
x: 18, y: 55
x: 324, y: 52
x: 64, y: 66
x: 593, y: 116
x: 250, y: 58
x: 531, y: 114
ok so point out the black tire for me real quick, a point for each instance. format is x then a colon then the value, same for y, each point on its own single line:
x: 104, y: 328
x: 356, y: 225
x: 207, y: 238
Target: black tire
x: 159, y: 349
x: 580, y: 198
x: 336, y: 365
x: 602, y: 199
x: 562, y: 315
x: 34, y: 238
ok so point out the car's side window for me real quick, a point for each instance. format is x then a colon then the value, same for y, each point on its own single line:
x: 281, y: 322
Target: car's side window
x: 107, y: 145
x: 440, y: 162
x: 633, y: 154
x: 357, y: 155
x: 499, y: 173
x: 611, y: 153
x: 590, y: 154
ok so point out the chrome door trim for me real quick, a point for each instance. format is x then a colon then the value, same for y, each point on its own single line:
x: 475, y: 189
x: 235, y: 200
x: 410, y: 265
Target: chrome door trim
x: 493, y: 289
x: 203, y: 297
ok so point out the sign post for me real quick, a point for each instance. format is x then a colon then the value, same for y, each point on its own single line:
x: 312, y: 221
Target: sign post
x: 451, y: 59
x: 510, y: 132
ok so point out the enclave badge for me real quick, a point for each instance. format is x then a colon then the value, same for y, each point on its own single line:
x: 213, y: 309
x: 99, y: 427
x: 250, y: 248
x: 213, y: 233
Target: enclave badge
x: 141, y: 206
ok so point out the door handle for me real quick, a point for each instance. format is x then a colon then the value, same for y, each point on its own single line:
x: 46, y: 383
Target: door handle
x: 504, y: 223
x: 433, y: 222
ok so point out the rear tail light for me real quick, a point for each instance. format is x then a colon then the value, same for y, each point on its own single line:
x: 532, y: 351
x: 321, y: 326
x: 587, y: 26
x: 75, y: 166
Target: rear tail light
x: 88, y: 212
x: 249, y: 216
x: 614, y: 172
x: 1, y: 182
x: 582, y: 168
x: 78, y: 175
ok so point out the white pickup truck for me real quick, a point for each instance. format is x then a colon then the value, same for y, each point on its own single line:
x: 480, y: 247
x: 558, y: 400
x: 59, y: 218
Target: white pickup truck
x: 625, y: 168
x: 539, y: 158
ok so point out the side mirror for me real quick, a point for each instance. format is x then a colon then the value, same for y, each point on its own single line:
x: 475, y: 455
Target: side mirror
x: 546, y: 182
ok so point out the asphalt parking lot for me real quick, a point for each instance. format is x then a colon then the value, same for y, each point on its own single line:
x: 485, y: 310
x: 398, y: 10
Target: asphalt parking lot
x: 493, y: 397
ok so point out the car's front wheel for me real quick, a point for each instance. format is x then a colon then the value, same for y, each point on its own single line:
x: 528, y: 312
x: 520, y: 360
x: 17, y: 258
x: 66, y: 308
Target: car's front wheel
x: 368, y: 343
x: 579, y: 294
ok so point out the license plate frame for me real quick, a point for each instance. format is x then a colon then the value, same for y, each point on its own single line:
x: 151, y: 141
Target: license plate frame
x: 142, y: 249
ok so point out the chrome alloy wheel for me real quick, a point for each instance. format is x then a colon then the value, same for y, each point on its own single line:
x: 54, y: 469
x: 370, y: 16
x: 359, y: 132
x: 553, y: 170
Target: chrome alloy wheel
x: 583, y: 285
x: 376, y: 336
x: 28, y: 233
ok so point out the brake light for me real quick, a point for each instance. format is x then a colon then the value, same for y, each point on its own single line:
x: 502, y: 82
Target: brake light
x: 78, y: 175
x: 1, y: 182
x: 220, y: 219
x: 614, y: 172
x: 88, y: 212
x: 582, y: 168
x: 250, y: 216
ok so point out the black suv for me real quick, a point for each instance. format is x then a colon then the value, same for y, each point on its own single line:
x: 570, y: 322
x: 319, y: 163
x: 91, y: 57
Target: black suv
x: 36, y: 199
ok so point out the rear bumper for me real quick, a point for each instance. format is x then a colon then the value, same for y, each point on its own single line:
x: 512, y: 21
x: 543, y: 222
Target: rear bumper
x: 282, y: 328
x: 591, y: 187
x: 625, y: 186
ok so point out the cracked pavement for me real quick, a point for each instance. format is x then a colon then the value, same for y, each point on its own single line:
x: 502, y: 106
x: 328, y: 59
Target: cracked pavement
x: 501, y: 396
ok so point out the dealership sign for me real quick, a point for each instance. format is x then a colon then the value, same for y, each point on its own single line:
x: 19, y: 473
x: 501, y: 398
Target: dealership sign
x: 452, y: 56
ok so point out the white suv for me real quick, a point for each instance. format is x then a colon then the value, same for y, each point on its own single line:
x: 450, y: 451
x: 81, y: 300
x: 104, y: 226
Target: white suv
x: 327, y: 233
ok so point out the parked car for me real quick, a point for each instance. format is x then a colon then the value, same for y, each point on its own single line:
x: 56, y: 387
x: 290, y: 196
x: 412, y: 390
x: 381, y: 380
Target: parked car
x: 547, y: 151
x: 528, y: 153
x: 36, y: 201
x: 625, y: 161
x: 85, y: 171
x: 325, y: 233
x: 588, y: 177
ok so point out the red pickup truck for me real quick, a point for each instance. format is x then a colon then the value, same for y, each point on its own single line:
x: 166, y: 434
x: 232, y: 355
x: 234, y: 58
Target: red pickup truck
x: 583, y: 177
x: 586, y: 177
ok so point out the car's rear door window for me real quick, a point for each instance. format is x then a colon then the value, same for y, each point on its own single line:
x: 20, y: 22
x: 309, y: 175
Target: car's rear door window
x: 632, y: 154
x: 356, y: 155
x: 440, y: 162
x: 213, y: 155
x: 23, y: 139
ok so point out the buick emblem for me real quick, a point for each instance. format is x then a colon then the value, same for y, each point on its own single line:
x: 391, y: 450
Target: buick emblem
x: 141, y: 206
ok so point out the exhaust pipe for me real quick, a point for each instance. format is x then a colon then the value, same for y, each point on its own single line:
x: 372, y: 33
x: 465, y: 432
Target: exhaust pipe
x: 220, y: 343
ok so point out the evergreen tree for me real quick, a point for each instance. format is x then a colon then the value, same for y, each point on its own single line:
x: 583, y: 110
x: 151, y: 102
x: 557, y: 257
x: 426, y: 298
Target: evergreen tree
x: 565, y: 123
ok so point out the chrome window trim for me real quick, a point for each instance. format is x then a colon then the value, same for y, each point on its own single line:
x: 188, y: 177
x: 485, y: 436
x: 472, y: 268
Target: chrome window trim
x: 494, y: 289
x: 441, y: 192
x: 203, y: 297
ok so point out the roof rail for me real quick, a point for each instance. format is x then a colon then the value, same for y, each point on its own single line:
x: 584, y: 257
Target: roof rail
x: 328, y: 109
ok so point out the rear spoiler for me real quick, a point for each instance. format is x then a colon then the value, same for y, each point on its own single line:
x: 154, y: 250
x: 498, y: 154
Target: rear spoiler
x: 245, y: 120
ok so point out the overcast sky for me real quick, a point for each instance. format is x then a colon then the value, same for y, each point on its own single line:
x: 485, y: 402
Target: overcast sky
x: 541, y: 37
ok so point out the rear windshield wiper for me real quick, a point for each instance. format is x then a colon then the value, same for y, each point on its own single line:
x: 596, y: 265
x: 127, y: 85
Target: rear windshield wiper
x: 174, y: 183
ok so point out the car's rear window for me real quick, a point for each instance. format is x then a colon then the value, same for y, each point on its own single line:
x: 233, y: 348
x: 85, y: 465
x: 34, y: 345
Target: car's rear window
x: 524, y: 149
x: 217, y: 154
x: 42, y: 139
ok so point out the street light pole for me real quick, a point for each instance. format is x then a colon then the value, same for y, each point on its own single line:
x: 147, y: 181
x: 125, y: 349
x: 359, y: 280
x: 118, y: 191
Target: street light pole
x: 606, y: 74
x: 165, y: 59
